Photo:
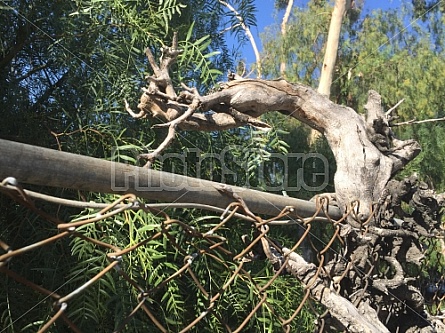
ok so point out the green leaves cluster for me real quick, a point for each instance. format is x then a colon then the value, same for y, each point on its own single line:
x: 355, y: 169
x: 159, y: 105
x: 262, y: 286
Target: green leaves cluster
x: 104, y: 305
x: 75, y: 63
x: 195, y: 59
x: 65, y: 69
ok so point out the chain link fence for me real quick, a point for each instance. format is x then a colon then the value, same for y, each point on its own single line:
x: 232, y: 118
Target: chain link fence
x: 161, y: 266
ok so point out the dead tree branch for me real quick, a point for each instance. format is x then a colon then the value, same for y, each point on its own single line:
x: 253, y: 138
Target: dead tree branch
x: 414, y: 121
x: 342, y: 309
x: 380, y: 236
x: 366, y: 152
x: 387, y: 113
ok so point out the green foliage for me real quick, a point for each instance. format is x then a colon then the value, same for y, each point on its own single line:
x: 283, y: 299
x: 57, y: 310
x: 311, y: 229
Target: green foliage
x: 65, y: 69
x: 103, y: 305
x: 149, y: 265
x: 401, y: 64
x: 302, y: 48
x: 79, y: 61
x: 384, y: 50
x: 246, y: 10
x: 425, y: 8
x: 194, y: 58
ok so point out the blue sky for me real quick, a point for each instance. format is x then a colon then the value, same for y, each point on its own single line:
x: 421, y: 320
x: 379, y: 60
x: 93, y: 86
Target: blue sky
x: 267, y: 14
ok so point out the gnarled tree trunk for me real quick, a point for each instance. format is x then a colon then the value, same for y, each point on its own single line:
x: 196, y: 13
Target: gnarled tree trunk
x: 367, y: 156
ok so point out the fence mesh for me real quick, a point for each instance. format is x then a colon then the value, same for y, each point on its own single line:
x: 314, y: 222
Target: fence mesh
x: 229, y: 268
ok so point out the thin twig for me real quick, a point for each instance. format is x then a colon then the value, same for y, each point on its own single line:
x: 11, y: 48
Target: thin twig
x: 414, y: 121
x: 141, y: 113
x: 171, y: 132
x: 387, y: 113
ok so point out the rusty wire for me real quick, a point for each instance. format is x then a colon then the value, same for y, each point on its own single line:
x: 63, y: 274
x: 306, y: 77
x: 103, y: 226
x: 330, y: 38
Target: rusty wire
x: 214, y: 246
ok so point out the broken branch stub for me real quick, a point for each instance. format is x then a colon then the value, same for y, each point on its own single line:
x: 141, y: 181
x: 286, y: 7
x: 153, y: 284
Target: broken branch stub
x: 365, y: 150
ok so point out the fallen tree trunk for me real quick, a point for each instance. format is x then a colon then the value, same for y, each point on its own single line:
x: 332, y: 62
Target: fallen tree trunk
x: 366, y: 152
x: 47, y: 167
x: 367, y: 156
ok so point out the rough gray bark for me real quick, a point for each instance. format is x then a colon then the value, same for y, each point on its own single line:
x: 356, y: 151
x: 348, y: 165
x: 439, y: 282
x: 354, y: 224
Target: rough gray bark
x: 363, y: 169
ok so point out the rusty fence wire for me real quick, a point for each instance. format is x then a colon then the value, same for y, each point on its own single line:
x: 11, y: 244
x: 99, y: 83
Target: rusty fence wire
x: 243, y: 247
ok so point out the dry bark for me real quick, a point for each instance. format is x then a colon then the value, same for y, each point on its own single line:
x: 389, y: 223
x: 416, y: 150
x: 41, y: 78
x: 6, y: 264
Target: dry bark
x: 366, y: 152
